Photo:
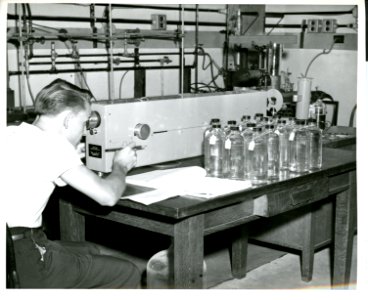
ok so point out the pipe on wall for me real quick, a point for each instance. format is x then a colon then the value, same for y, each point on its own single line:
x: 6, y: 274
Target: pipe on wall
x: 15, y: 73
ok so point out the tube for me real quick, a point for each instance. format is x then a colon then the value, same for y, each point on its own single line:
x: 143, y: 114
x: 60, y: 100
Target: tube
x: 303, y: 98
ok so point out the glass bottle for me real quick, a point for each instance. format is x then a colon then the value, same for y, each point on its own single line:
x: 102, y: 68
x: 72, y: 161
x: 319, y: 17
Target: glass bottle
x: 215, y: 141
x: 234, y: 154
x: 299, y: 148
x: 258, y: 118
x: 315, y: 135
x: 205, y: 145
x: 247, y: 135
x: 273, y: 156
x: 258, y: 157
x: 243, y: 122
x: 227, y: 127
x: 283, y: 133
x: 212, y: 122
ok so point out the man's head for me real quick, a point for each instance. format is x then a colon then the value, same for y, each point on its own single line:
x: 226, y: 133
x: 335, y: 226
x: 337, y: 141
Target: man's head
x: 60, y: 95
x: 66, y: 103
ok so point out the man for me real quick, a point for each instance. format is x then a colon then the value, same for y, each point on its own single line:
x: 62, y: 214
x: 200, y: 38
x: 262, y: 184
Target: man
x: 40, y: 156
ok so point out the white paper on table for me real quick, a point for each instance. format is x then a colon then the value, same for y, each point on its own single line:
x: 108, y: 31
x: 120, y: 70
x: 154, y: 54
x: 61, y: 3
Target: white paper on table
x: 187, y: 181
x: 212, y: 187
x: 175, y: 178
x: 151, y: 196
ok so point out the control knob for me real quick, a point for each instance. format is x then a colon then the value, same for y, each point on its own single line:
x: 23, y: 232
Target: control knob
x: 142, y: 131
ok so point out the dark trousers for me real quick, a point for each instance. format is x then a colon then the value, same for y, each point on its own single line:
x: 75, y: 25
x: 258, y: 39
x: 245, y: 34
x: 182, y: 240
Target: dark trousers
x: 42, y: 263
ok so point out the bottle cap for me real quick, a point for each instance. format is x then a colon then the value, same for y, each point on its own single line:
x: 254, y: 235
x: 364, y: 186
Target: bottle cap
x: 300, y: 122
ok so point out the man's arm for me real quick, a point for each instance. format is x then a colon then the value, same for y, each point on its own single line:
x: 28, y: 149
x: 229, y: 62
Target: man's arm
x: 108, y: 190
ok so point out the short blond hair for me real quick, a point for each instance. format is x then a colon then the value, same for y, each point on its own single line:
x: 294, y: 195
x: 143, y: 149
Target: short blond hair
x: 60, y: 95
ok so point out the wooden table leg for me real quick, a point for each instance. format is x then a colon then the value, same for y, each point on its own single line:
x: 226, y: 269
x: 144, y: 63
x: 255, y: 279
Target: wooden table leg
x: 72, y: 224
x: 186, y: 254
x: 239, y: 252
x: 344, y: 233
x: 308, y: 246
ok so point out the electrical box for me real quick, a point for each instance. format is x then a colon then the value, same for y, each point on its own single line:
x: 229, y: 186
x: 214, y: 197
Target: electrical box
x: 324, y: 40
x: 158, y: 22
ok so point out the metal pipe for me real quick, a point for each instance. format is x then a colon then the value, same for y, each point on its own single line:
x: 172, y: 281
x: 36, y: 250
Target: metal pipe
x: 92, y: 62
x: 115, y: 54
x: 226, y: 48
x: 21, y: 53
x: 160, y: 7
x: 196, y: 48
x: 14, y: 73
x: 111, y: 57
x: 182, y: 53
x: 117, y: 20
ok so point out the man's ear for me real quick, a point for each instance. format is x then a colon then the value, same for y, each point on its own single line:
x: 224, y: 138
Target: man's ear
x: 67, y: 117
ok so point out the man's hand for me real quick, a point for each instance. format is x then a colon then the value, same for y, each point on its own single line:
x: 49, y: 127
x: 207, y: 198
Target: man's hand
x: 125, y: 158
x: 81, y: 150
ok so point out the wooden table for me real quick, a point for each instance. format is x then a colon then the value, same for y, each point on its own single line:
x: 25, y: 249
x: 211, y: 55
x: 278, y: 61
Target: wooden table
x: 187, y: 220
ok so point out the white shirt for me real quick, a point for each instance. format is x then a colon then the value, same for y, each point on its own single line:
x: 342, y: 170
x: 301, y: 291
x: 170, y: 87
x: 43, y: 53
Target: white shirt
x: 34, y: 161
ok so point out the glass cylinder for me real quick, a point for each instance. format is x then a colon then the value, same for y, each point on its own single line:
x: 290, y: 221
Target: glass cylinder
x: 304, y: 97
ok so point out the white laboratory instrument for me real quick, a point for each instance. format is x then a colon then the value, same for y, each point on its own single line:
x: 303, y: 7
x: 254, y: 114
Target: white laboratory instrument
x: 168, y: 129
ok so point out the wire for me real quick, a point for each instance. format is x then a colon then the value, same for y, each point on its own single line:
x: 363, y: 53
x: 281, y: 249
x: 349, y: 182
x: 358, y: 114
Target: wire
x: 121, y: 83
x: 274, y: 26
x: 43, y: 26
x: 324, y: 51
x: 78, y: 65
x: 210, y: 88
x: 26, y: 65
x: 250, y: 25
x: 210, y: 64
